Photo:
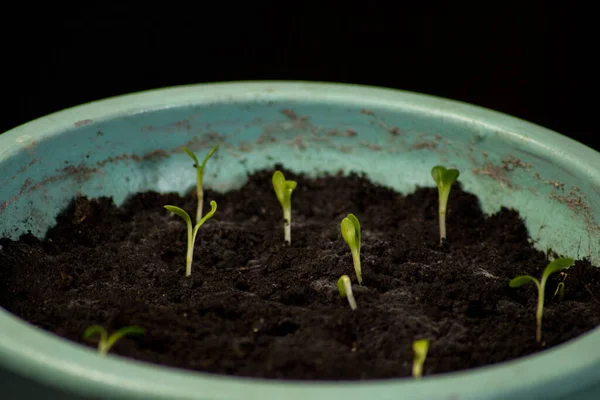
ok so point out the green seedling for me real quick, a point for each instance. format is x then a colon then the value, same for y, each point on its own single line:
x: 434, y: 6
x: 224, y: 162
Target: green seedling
x: 587, y: 287
x: 283, y: 191
x: 192, y: 232
x: 420, y: 348
x: 200, y: 177
x: 106, y: 342
x: 560, y: 289
x: 555, y: 266
x: 444, y: 178
x: 350, y: 228
x: 345, y: 287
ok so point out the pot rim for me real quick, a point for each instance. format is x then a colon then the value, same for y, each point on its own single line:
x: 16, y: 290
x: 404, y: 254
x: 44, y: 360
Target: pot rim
x: 45, y: 357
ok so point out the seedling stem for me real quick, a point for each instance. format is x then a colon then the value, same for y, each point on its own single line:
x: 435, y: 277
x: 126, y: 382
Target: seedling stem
x: 420, y: 348
x: 350, y: 228
x: 444, y: 178
x: 560, y: 288
x: 345, y: 288
x: 283, y: 191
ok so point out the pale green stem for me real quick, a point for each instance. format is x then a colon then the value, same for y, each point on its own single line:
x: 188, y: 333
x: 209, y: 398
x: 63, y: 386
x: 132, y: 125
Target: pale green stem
x: 200, y: 194
x: 103, y: 348
x: 417, y: 369
x: 442, y: 226
x: 103, y: 344
x: 190, y: 251
x: 560, y: 290
x: 287, y: 227
x: 443, y: 201
x: 106, y: 344
x: 351, y: 299
x: 357, y: 269
x: 540, y: 307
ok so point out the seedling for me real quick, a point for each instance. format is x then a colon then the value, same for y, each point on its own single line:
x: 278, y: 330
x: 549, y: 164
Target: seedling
x: 106, y: 342
x: 200, y: 177
x: 587, y: 287
x: 283, y: 191
x: 350, y: 228
x: 444, y: 178
x: 420, y: 348
x: 192, y: 232
x: 560, y: 289
x: 555, y: 266
x: 345, y: 287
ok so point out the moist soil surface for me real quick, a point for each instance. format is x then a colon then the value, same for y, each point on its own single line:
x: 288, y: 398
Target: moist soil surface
x: 255, y: 306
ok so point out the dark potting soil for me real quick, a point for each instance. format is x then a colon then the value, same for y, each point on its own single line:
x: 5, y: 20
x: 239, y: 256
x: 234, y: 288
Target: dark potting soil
x: 255, y: 306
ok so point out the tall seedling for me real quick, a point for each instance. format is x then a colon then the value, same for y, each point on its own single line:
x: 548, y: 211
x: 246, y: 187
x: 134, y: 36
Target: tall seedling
x: 200, y: 177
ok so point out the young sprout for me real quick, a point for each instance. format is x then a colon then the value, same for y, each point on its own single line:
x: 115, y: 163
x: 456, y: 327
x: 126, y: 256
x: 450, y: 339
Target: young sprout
x: 587, y: 287
x: 555, y: 266
x: 200, y: 177
x: 283, y: 190
x: 560, y: 289
x: 106, y: 342
x: 420, y: 348
x: 444, y: 178
x: 350, y: 228
x: 345, y: 287
x: 192, y: 232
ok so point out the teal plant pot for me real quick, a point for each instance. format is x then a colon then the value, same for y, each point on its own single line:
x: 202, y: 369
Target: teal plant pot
x: 123, y: 145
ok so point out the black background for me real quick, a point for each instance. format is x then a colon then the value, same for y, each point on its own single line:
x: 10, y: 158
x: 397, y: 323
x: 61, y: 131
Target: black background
x: 529, y: 59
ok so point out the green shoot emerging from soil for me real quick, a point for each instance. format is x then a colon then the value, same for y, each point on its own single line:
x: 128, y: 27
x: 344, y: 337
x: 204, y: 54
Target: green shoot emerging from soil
x: 350, y: 228
x: 420, y: 348
x: 200, y: 177
x: 444, y: 178
x: 106, y: 342
x: 560, y: 289
x: 192, y: 232
x: 345, y: 287
x: 587, y: 288
x: 283, y: 190
x: 555, y: 266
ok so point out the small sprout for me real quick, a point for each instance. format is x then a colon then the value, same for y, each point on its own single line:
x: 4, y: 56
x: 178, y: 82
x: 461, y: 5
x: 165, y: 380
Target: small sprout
x: 560, y: 289
x: 350, y: 228
x: 200, y: 177
x: 444, y: 178
x: 345, y: 287
x: 555, y: 266
x: 420, y: 348
x: 587, y: 287
x: 191, y: 233
x: 283, y: 190
x: 106, y: 342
